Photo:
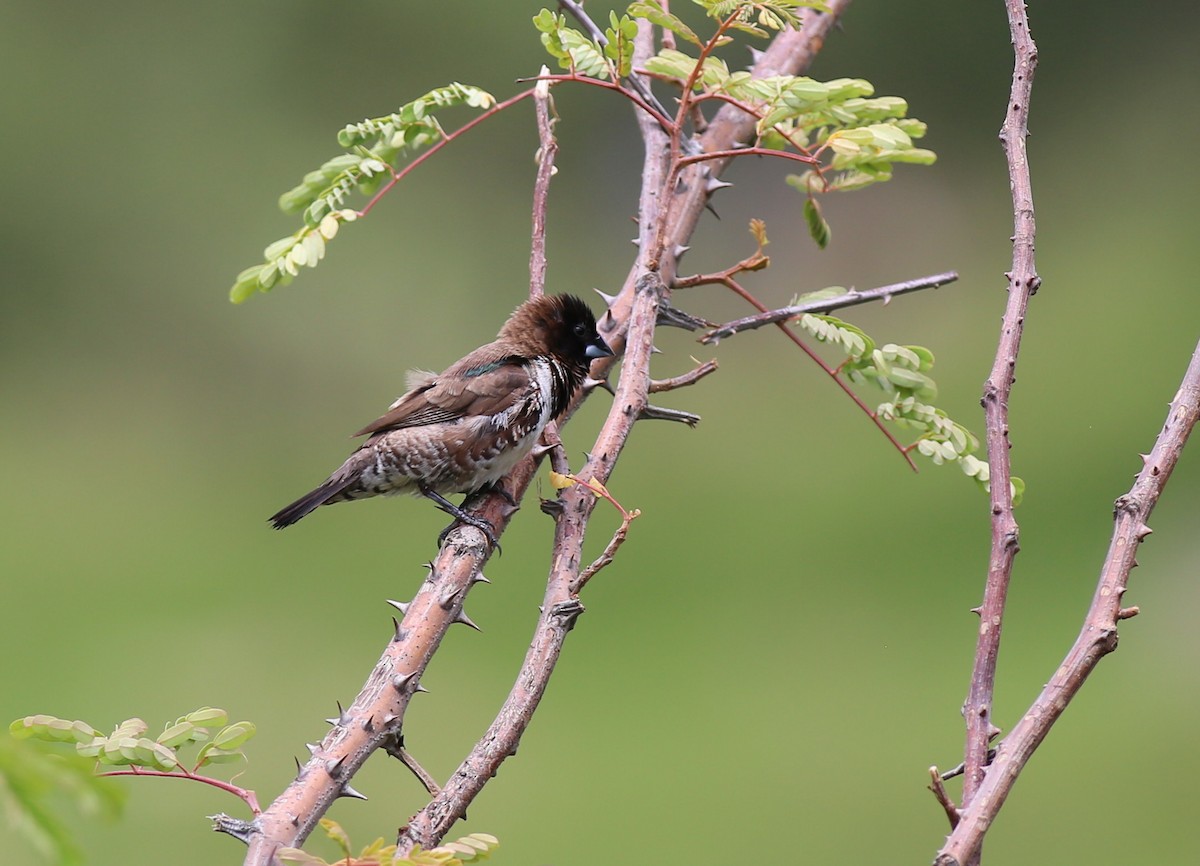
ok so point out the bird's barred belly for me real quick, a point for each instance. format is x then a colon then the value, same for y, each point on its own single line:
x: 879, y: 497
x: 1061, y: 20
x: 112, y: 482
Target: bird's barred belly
x: 446, y: 458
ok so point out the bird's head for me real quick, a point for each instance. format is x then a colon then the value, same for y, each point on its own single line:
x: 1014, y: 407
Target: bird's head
x: 559, y: 325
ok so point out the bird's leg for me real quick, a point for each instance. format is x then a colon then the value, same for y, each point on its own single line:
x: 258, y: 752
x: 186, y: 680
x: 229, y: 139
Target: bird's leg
x: 498, y: 488
x: 459, y: 516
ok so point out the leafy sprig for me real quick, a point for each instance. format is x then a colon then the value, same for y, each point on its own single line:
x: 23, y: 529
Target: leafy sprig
x: 902, y: 373
x: 127, y: 746
x: 373, y: 147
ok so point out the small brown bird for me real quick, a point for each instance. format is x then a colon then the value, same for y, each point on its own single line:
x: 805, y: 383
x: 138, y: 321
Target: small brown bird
x: 462, y: 430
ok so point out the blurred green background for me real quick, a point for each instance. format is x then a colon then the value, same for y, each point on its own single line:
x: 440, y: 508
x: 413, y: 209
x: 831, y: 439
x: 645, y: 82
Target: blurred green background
x: 783, y: 646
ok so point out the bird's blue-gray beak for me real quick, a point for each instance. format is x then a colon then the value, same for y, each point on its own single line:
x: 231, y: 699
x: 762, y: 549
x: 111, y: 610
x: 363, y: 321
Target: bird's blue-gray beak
x: 598, y: 349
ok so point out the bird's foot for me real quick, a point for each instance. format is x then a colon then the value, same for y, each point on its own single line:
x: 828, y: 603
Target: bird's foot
x: 460, y: 516
x: 471, y: 520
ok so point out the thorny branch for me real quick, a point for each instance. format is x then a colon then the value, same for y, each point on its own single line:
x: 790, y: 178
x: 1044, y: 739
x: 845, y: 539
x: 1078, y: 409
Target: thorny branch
x: 668, y: 215
x: 1023, y: 282
x: 1098, y: 636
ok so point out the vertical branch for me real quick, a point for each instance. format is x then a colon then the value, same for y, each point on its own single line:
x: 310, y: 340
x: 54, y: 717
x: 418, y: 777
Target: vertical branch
x: 1023, y: 282
x: 547, y: 149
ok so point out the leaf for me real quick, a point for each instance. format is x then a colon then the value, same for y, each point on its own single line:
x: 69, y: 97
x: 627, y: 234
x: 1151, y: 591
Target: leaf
x: 335, y: 832
x: 234, y: 736
x: 818, y: 228
x: 653, y: 12
x: 559, y: 481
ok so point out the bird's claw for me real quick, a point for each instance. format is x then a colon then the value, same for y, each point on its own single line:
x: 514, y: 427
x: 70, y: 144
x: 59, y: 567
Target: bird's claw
x: 484, y: 526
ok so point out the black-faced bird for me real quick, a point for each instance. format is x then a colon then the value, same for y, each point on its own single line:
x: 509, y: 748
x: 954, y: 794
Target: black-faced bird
x: 462, y: 430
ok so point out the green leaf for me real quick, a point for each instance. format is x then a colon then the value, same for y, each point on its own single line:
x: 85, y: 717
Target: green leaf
x: 652, y: 11
x: 818, y: 228
x: 234, y: 736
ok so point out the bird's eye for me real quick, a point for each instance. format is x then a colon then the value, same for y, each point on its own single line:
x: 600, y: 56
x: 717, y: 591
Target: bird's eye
x: 580, y: 329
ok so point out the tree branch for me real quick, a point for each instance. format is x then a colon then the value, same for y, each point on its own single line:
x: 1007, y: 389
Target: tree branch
x: 547, y: 149
x: 1097, y: 638
x: 824, y: 305
x: 1023, y: 283
x: 628, y: 326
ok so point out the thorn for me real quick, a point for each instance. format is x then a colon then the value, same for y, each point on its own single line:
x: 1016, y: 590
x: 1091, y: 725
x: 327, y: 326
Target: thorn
x: 608, y: 299
x: 347, y: 791
x: 299, y: 768
x: 755, y: 55
x: 341, y: 719
x: 447, y: 601
x: 587, y: 456
x: 420, y: 688
x: 400, y: 634
x: 389, y: 719
x: 402, y: 606
x: 635, y: 241
x: 654, y: 350
x: 295, y: 819
x: 368, y: 724
x: 715, y: 184
x: 978, y: 611
x: 590, y: 384
x: 712, y: 210
x: 680, y: 249
x: 466, y: 620
x: 479, y: 578
x: 1143, y: 531
x: 401, y: 680
x: 993, y: 732
x: 312, y: 748
x: 334, y: 768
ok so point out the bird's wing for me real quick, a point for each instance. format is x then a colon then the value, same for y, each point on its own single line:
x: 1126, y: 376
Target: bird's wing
x: 487, y: 387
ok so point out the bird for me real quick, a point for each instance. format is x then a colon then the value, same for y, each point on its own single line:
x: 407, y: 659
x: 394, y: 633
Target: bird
x: 462, y: 430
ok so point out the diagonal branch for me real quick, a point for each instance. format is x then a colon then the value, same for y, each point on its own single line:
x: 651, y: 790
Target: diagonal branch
x: 1097, y: 638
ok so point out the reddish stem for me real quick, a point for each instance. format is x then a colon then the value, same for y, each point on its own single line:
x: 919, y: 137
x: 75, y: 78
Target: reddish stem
x: 246, y: 796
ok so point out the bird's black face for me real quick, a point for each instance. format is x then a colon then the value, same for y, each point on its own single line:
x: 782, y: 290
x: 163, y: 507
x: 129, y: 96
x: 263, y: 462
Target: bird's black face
x: 575, y: 335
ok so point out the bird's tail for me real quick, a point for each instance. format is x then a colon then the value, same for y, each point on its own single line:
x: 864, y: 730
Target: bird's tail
x: 290, y: 514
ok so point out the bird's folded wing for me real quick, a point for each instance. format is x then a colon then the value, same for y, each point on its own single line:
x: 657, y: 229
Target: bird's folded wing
x: 457, y: 394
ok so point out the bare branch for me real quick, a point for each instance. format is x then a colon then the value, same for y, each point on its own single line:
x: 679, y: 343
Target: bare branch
x: 824, y: 305
x: 1097, y: 638
x: 394, y: 746
x: 547, y: 148
x: 1023, y: 282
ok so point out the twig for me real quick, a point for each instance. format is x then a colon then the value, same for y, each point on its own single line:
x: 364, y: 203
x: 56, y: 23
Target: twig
x: 824, y: 305
x: 830, y: 371
x: 401, y: 754
x: 547, y: 148
x: 244, y: 794
x: 1023, y: 282
x: 398, y: 176
x: 939, y: 792
x: 691, y: 377
x: 1098, y: 636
